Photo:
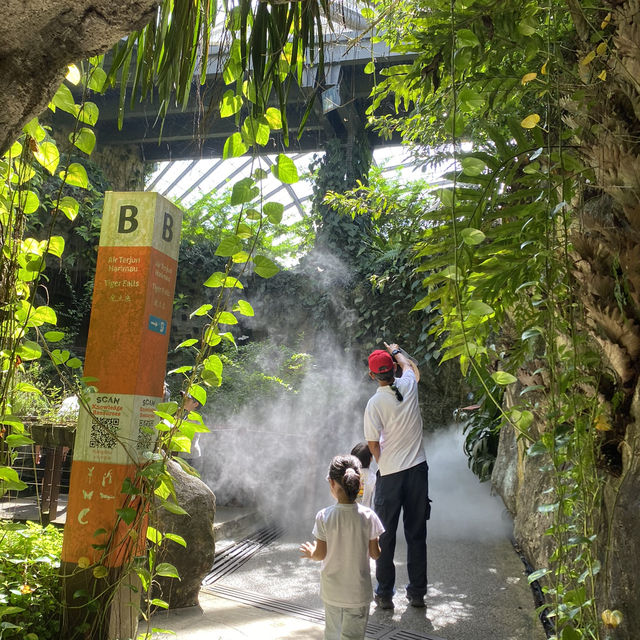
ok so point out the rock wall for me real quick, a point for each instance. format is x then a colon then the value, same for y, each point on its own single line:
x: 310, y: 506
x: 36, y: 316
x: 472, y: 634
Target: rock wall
x: 619, y: 536
x: 38, y: 40
x: 122, y: 166
x: 521, y: 482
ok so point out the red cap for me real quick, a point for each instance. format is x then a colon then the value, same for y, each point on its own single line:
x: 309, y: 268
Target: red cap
x: 380, y: 362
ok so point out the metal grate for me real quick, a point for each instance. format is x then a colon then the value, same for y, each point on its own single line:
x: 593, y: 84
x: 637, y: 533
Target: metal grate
x: 403, y: 634
x: 375, y: 631
x: 235, y: 556
x: 266, y: 603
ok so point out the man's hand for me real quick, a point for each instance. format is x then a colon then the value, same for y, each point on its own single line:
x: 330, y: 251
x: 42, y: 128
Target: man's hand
x: 402, y: 360
x: 391, y: 347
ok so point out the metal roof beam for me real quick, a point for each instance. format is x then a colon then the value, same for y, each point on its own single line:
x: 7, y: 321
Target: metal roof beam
x: 201, y: 179
x: 290, y: 191
x: 234, y: 174
x: 190, y: 166
x: 159, y: 176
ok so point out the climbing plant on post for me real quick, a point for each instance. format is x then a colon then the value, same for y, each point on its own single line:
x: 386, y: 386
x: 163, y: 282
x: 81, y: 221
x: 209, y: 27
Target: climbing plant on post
x: 23, y: 322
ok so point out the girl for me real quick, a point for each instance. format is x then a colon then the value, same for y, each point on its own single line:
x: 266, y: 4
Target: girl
x: 346, y: 536
x: 367, y: 475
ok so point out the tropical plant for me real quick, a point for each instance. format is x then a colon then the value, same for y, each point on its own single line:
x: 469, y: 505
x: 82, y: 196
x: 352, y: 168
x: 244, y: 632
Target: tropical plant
x: 386, y: 291
x: 343, y: 166
x: 212, y: 214
x: 24, y: 258
x: 30, y: 585
x: 268, y: 45
x: 257, y: 374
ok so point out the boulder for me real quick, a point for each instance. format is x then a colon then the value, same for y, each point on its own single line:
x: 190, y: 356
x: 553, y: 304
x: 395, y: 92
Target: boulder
x: 195, y: 561
x: 523, y: 487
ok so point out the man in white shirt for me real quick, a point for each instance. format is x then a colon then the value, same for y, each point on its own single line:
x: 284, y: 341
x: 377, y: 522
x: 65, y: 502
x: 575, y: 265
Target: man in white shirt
x: 393, y: 430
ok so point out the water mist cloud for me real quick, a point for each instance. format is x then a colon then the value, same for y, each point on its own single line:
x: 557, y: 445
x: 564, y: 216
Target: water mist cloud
x: 276, y: 457
x: 463, y: 507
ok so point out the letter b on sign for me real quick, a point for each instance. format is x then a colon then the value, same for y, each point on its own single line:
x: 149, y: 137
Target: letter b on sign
x: 167, y: 228
x: 127, y: 222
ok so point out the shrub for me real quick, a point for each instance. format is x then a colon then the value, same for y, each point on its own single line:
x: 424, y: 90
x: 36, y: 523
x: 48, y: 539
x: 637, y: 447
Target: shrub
x: 30, y: 581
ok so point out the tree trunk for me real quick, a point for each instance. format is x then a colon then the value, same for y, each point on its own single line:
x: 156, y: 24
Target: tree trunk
x: 39, y: 38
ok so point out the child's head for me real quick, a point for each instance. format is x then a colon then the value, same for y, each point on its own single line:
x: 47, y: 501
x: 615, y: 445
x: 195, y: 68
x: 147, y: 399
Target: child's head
x: 362, y: 452
x: 345, y: 472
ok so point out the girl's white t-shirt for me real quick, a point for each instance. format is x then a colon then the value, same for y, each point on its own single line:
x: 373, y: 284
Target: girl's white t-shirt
x: 345, y: 578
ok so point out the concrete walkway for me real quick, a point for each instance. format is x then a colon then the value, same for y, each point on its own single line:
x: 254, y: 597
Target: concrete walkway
x: 477, y: 585
x: 222, y: 619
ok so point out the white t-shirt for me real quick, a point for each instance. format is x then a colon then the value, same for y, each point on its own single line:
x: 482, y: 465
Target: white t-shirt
x: 367, y: 487
x: 397, y: 426
x: 345, y: 578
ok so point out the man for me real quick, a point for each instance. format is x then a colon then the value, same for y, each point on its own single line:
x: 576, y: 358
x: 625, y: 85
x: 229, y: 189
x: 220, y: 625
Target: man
x: 393, y: 430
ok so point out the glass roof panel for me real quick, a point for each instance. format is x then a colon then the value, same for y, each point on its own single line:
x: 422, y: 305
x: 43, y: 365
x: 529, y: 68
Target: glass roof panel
x: 189, y: 180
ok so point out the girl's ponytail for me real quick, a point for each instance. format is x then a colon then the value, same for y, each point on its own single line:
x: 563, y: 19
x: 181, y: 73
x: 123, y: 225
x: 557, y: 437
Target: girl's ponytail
x: 345, y: 470
x: 351, y: 483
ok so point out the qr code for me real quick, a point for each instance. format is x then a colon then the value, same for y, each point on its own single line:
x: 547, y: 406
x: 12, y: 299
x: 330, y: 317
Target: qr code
x: 103, y: 433
x: 146, y: 436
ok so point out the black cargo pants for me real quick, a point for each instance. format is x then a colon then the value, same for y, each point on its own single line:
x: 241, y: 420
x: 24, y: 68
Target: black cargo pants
x: 408, y: 491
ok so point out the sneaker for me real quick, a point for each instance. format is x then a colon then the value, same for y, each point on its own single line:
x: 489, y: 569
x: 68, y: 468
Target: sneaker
x: 383, y: 602
x: 416, y: 601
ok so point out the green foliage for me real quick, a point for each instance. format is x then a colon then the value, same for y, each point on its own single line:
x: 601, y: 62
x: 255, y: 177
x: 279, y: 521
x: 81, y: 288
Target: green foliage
x: 24, y: 321
x: 469, y: 68
x: 485, y: 253
x: 69, y: 279
x: 35, y: 392
x: 387, y: 289
x: 30, y: 582
x: 213, y: 215
x: 267, y: 52
x: 256, y: 374
x: 482, y: 423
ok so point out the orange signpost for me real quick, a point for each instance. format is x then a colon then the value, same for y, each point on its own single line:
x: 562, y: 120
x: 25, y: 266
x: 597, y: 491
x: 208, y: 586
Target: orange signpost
x: 126, y: 356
